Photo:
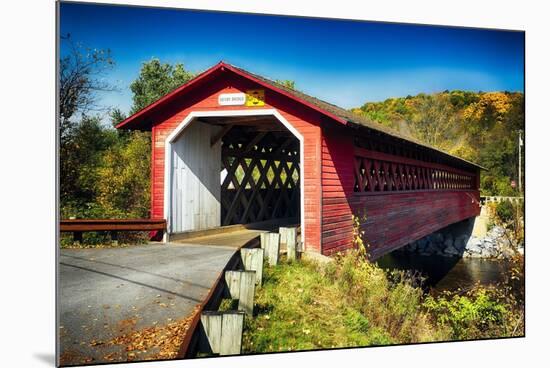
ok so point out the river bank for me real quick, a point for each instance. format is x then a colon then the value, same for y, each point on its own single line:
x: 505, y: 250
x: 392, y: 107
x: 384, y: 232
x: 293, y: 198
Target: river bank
x: 453, y: 259
x: 442, y: 273
x: 457, y: 242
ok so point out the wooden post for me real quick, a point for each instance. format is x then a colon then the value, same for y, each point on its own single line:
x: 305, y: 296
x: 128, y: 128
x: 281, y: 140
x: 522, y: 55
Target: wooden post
x: 253, y: 260
x: 272, y: 248
x: 233, y: 281
x: 212, y: 325
x: 232, y: 333
x: 263, y: 240
x: 224, y: 331
x: 114, y: 237
x: 246, y: 292
x: 283, y: 231
x: 242, y: 285
x: 77, y: 237
x: 291, y: 243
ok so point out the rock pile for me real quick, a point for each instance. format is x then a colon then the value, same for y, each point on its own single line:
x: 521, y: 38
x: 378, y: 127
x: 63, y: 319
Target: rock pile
x: 494, y: 245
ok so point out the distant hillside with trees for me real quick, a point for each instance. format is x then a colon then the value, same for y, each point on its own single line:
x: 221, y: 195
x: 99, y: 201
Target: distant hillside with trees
x: 481, y: 127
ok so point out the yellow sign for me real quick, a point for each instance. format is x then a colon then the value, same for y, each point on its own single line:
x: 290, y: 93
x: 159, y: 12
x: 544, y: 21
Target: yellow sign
x: 255, y: 97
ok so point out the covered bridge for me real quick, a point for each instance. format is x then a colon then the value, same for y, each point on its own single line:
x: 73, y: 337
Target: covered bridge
x: 230, y: 147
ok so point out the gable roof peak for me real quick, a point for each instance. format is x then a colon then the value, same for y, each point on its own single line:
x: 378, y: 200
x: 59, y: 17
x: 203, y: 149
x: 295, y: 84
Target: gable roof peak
x: 335, y: 113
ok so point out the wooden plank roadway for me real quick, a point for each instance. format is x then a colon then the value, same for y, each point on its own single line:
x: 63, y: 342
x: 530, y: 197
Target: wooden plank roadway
x: 234, y: 239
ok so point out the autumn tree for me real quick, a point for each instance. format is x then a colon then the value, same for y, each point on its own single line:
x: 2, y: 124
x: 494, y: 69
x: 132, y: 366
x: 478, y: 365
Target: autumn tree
x: 480, y: 127
x: 81, y: 79
x: 435, y: 121
x: 123, y: 176
x: 105, y: 173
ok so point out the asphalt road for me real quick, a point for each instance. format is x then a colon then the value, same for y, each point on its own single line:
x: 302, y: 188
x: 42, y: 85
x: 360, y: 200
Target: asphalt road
x: 104, y: 292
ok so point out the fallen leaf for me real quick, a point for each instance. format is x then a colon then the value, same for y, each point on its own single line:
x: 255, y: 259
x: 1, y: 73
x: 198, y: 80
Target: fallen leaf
x: 166, y: 339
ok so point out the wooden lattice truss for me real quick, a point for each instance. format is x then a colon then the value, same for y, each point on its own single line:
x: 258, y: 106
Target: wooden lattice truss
x: 261, y: 163
x: 378, y: 172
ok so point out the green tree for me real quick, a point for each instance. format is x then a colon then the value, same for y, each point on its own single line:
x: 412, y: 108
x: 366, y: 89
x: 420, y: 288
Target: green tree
x: 105, y: 173
x: 122, y: 177
x: 79, y: 157
x: 286, y: 83
x: 116, y: 116
x: 155, y: 80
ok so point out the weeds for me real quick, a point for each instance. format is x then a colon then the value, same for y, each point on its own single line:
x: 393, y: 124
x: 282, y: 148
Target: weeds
x: 509, y: 216
x: 102, y: 239
x: 352, y: 302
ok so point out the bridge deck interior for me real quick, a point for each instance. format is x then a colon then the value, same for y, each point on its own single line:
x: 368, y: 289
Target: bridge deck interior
x: 233, y: 239
x: 230, y: 238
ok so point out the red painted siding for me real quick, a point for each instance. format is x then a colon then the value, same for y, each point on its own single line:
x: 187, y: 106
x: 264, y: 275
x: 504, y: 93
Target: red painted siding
x: 303, y: 119
x: 337, y: 180
x: 396, y: 219
x: 393, y: 219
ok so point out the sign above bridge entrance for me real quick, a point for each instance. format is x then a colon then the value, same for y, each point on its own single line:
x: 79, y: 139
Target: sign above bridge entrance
x: 231, y: 99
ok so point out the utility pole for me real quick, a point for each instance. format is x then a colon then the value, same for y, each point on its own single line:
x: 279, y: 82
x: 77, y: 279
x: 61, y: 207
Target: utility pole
x: 519, y: 166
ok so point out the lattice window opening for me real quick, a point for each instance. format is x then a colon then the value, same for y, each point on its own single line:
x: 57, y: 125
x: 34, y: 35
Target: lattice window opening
x: 380, y: 176
x: 257, y: 190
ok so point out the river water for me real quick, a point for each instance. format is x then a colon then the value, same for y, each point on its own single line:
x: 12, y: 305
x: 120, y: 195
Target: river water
x: 445, y: 273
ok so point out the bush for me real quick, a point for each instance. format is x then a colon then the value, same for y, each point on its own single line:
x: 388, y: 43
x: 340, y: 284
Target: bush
x: 508, y: 216
x: 472, y: 316
x: 390, y: 301
x: 505, y: 211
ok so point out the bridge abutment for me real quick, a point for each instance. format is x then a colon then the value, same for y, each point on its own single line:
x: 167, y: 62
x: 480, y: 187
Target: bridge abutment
x: 469, y: 238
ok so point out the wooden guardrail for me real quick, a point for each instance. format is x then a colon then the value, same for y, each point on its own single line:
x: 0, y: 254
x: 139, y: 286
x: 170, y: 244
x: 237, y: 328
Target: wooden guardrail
x: 79, y: 226
x: 215, y: 332
x: 497, y: 199
x: 190, y: 343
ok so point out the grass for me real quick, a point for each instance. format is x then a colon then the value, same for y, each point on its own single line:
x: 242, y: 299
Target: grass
x: 102, y: 239
x: 297, y: 309
x: 301, y: 306
x: 351, y: 302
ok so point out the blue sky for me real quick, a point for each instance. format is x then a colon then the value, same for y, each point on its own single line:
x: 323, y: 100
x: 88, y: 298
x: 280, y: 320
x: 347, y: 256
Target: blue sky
x: 343, y: 62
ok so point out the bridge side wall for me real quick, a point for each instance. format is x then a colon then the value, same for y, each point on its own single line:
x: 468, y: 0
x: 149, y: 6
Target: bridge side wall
x: 394, y: 220
x: 390, y: 217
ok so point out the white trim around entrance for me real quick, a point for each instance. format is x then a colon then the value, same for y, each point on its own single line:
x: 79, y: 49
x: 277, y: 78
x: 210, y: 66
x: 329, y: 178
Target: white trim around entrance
x: 226, y: 113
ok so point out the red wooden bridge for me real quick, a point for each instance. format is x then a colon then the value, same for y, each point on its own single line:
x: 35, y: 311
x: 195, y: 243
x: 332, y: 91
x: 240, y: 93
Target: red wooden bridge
x: 230, y: 147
